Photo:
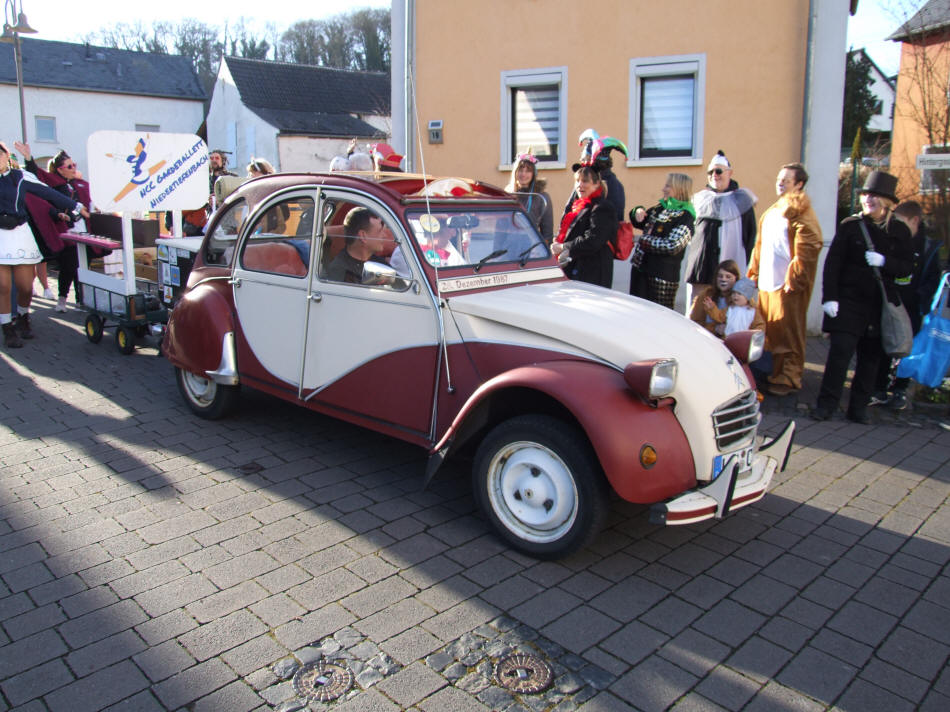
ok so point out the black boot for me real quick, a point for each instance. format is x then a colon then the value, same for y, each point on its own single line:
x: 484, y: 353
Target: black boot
x: 10, y: 338
x: 23, y: 326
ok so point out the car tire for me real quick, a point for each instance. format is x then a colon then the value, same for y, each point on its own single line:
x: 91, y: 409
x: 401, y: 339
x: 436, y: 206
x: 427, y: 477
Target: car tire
x: 541, y: 486
x: 124, y: 340
x: 204, y: 397
x: 94, y: 328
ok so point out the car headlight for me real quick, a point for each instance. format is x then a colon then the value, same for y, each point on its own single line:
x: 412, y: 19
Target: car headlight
x: 747, y: 346
x: 652, y: 379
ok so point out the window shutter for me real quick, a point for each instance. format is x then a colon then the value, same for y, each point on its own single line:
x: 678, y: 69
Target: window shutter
x: 536, y: 121
x: 666, y: 124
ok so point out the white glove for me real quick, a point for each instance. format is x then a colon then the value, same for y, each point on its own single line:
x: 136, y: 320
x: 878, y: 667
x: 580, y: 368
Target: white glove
x: 875, y: 259
x: 831, y: 308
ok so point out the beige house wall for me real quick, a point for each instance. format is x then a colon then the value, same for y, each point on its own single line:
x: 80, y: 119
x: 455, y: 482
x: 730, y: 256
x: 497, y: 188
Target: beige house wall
x: 755, y: 54
x: 921, y: 83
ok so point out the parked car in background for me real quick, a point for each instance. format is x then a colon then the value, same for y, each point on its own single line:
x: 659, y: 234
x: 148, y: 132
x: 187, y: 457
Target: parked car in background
x: 461, y: 334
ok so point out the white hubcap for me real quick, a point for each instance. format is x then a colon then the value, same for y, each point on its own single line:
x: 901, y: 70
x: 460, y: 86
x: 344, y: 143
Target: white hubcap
x: 532, y: 491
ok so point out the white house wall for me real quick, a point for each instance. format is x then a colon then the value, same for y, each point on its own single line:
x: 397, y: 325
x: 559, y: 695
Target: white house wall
x: 235, y: 128
x: 81, y: 113
x: 882, y: 89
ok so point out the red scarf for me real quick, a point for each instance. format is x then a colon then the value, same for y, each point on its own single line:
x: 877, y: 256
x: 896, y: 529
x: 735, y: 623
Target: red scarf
x: 576, y: 207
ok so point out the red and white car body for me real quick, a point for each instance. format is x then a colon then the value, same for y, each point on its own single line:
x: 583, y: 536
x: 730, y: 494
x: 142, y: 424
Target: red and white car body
x: 563, y: 390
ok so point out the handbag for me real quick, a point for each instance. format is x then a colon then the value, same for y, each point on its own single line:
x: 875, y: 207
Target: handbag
x: 897, y: 334
x: 622, y: 245
x: 930, y: 357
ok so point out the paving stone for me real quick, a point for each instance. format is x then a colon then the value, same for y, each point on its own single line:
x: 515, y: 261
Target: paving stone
x: 36, y: 682
x: 175, y: 594
x: 412, y: 684
x: 254, y: 654
x: 235, y: 697
x: 101, y: 689
x: 914, y: 652
x: 633, y: 642
x: 759, y: 659
x: 101, y: 623
x: 163, y: 660
x: 580, y: 628
x: 224, y: 602
x: 863, y: 623
x: 654, y: 684
x: 105, y: 652
x: 170, y: 625
x: 864, y: 696
x: 893, y: 679
x: 222, y: 634
x: 817, y: 674
x: 193, y: 683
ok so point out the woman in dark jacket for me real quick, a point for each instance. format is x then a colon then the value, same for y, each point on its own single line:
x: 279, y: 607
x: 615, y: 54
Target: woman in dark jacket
x: 851, y: 295
x: 64, y: 178
x: 581, y: 243
x: 667, y: 230
x: 18, y: 249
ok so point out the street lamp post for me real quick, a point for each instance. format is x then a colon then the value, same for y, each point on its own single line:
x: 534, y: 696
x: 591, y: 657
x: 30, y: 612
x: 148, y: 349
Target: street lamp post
x: 15, y: 24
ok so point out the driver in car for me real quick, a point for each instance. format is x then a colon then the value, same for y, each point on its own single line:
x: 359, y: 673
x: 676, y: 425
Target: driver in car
x: 365, y: 238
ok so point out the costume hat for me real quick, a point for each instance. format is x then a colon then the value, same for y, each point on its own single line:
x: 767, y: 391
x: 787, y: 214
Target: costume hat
x: 746, y: 287
x: 719, y: 161
x: 881, y: 183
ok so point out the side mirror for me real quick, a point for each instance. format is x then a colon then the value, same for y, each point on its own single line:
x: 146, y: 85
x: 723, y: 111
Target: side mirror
x: 377, y: 273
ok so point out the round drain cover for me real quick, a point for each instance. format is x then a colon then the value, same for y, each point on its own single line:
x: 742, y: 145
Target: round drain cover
x: 523, y: 673
x: 322, y: 681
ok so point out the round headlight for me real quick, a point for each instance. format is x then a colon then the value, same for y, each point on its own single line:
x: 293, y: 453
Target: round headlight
x: 652, y: 379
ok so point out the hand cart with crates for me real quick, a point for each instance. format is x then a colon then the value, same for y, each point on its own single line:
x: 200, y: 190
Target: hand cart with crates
x: 116, y: 297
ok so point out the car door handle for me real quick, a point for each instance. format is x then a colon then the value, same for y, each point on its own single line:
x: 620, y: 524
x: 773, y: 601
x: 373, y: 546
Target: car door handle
x: 236, y: 281
x: 316, y: 297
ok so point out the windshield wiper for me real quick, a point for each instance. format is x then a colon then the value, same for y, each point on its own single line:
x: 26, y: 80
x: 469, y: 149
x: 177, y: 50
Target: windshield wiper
x: 523, y: 257
x: 491, y: 256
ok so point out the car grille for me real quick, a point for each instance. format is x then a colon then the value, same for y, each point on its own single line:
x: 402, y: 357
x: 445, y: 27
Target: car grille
x: 736, y: 420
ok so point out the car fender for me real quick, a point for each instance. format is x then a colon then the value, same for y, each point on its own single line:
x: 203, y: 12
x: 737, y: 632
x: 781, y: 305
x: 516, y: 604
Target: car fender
x: 197, y: 329
x: 618, y: 423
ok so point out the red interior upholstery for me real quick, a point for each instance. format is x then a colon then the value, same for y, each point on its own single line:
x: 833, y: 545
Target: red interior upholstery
x: 274, y: 257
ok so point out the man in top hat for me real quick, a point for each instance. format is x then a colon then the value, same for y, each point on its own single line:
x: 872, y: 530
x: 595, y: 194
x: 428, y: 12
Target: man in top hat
x: 851, y: 294
x: 783, y: 263
x: 725, y: 226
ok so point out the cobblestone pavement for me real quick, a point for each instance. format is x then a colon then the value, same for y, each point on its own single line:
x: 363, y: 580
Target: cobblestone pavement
x: 153, y: 561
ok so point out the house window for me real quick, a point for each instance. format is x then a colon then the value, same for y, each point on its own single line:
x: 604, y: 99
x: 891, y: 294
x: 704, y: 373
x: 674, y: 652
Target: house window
x: 148, y: 128
x: 46, y: 128
x: 667, y: 97
x: 533, y: 115
x: 934, y: 180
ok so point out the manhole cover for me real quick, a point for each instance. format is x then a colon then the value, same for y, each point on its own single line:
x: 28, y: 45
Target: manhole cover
x: 322, y: 681
x: 523, y: 673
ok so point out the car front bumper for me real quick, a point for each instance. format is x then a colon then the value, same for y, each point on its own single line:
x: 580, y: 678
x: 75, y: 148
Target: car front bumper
x: 731, y: 490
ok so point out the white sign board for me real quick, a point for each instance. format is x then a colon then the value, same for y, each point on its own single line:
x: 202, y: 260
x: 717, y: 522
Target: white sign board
x: 933, y: 161
x: 133, y: 171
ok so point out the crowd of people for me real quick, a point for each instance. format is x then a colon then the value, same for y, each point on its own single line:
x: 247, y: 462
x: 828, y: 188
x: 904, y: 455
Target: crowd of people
x: 739, y: 273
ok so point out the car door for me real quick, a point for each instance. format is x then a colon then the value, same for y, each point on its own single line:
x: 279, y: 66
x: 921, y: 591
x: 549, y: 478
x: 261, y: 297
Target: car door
x: 371, y: 349
x: 270, y: 283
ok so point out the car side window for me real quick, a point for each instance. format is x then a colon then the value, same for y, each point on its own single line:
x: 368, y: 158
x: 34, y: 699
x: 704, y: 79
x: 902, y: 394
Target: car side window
x: 358, y: 248
x: 219, y: 248
x: 279, y: 240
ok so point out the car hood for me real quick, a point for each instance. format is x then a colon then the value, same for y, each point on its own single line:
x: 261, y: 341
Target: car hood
x: 602, y: 323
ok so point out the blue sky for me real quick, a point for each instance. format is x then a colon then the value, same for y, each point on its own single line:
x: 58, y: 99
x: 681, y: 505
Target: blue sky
x: 874, y: 21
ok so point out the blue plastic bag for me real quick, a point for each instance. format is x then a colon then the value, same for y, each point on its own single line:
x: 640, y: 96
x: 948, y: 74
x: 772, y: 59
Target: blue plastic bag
x: 930, y: 357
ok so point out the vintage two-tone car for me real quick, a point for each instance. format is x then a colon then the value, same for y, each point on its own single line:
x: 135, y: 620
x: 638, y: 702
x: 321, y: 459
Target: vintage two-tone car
x: 453, y: 328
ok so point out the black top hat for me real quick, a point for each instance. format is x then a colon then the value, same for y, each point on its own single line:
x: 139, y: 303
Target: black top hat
x: 881, y: 183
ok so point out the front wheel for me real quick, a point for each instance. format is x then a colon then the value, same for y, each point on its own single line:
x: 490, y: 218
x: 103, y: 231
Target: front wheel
x: 540, y: 484
x: 204, y: 397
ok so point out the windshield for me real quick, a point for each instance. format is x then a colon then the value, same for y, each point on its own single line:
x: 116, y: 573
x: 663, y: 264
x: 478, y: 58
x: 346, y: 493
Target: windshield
x: 473, y: 238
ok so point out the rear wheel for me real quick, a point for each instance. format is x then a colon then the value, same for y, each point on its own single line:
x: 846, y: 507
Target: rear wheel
x: 94, y: 328
x: 125, y: 339
x: 204, y: 397
x: 540, y: 484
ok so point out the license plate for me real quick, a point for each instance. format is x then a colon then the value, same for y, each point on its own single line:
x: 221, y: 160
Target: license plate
x: 743, y: 460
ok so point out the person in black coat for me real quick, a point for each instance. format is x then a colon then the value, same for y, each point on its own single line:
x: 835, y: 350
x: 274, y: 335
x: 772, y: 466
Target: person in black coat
x: 851, y: 295
x: 588, y: 223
